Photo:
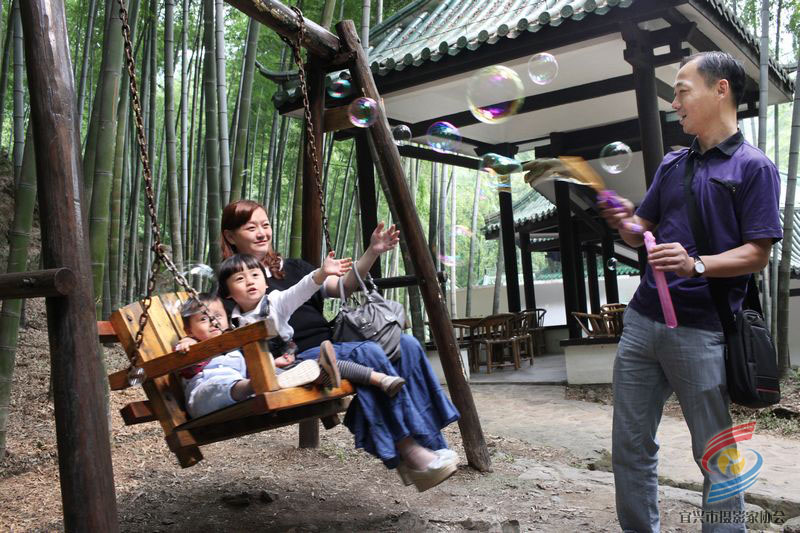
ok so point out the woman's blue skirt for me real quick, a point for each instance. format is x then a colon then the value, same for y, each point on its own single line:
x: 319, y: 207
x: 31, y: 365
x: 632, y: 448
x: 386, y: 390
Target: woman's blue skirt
x: 420, y: 410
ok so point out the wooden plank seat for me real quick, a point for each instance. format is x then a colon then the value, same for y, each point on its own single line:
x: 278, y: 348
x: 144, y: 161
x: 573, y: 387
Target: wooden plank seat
x: 269, y: 408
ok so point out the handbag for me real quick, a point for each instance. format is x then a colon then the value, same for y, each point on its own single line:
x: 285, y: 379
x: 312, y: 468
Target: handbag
x: 751, y: 365
x: 377, y: 319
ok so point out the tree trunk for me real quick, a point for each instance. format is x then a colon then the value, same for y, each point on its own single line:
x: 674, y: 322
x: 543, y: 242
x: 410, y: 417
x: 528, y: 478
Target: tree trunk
x: 184, y: 118
x: 763, y: 86
x: 472, y: 240
x: 173, y: 197
x: 18, y: 239
x: 365, y: 26
x: 243, y: 121
x: 212, y: 148
x: 7, y: 45
x: 151, y: 128
x: 773, y: 274
x: 87, y: 47
x: 19, y: 93
x: 295, y: 206
x: 788, y: 236
x: 104, y: 158
x: 222, y: 103
x: 453, y: 251
x: 433, y: 218
x: 498, y: 277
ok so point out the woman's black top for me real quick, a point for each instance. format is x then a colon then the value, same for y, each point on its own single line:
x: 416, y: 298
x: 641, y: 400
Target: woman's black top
x: 310, y: 326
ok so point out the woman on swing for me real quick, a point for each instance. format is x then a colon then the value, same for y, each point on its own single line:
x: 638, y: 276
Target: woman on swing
x: 404, y: 431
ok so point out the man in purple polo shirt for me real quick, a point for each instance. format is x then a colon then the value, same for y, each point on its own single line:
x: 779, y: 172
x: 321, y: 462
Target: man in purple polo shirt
x: 737, y: 189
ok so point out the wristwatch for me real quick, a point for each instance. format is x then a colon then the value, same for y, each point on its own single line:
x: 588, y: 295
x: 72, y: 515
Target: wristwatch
x: 699, y: 268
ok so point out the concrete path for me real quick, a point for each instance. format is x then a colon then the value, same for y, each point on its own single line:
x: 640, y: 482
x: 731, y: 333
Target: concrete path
x: 541, y: 415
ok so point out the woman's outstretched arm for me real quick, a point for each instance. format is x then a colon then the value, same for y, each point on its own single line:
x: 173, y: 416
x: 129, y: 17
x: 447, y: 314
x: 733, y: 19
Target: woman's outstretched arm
x: 381, y: 241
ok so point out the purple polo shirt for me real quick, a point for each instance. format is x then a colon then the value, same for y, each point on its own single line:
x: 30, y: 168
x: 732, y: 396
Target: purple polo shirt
x: 737, y: 190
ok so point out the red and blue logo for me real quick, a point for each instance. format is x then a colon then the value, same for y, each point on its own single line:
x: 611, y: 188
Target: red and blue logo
x: 723, y: 457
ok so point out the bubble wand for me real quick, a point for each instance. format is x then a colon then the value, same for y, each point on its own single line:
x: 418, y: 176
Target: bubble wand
x: 661, y: 284
x: 577, y: 170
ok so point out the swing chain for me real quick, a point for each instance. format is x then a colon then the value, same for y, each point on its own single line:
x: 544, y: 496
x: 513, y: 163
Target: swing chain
x: 311, y: 142
x: 157, y: 247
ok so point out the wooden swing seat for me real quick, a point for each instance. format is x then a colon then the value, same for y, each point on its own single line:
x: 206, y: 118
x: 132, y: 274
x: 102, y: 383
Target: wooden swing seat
x: 269, y: 408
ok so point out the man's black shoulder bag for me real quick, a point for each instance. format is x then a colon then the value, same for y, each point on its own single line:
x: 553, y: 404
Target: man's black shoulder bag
x: 750, y: 356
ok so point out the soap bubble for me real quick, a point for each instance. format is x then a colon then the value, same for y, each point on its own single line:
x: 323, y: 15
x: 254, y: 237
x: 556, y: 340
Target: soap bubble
x: 542, y: 68
x: 462, y: 230
x: 443, y: 136
x: 200, y: 276
x: 136, y: 376
x: 339, y: 88
x: 611, y: 264
x: 501, y: 184
x: 401, y: 133
x: 616, y: 157
x: 495, y: 94
x: 448, y: 260
x: 362, y: 112
x: 499, y: 164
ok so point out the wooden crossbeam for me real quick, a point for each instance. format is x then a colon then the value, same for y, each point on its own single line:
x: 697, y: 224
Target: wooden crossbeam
x: 37, y: 283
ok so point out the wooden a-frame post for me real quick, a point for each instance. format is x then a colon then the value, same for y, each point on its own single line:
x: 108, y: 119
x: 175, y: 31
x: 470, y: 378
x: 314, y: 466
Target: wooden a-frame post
x: 84, y: 452
x: 346, y: 51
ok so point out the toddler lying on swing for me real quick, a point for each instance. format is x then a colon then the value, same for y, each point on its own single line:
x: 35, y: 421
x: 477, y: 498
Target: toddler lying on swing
x: 222, y: 380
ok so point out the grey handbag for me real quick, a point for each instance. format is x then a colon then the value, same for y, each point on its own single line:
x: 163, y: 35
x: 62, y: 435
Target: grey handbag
x: 378, y: 319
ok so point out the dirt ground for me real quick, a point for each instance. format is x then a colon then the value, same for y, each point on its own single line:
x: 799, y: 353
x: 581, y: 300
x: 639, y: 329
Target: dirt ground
x: 263, y: 482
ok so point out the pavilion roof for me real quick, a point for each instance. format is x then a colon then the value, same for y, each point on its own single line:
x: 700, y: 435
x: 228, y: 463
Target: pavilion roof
x: 528, y: 207
x: 427, y: 30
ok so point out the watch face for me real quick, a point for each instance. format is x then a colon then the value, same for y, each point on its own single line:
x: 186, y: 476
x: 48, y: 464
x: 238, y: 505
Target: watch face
x: 699, y: 267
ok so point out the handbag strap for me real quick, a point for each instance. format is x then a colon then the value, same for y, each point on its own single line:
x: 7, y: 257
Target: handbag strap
x: 360, y: 282
x: 719, y: 293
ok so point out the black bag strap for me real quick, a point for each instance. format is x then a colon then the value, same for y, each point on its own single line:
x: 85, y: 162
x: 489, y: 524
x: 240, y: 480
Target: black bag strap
x: 719, y: 293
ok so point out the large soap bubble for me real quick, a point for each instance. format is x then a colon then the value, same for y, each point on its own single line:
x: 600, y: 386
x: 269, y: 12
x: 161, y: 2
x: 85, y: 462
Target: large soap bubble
x: 542, y: 68
x: 495, y: 94
x: 362, y: 112
x: 615, y: 157
x: 339, y: 88
x: 443, y: 136
x: 499, y: 164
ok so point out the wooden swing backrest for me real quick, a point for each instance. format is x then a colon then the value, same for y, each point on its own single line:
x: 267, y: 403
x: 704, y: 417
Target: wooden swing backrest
x: 270, y: 407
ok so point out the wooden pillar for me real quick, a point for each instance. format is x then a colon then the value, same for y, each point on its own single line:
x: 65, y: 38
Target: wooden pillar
x: 594, y: 285
x: 367, y: 197
x: 527, y: 269
x: 567, y: 244
x: 312, y: 213
x: 507, y: 234
x: 580, y: 275
x: 391, y: 171
x: 84, y: 453
x: 612, y: 290
x: 638, y: 54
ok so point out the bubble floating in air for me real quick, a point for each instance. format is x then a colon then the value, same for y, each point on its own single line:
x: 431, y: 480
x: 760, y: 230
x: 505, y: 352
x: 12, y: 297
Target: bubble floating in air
x: 542, y: 68
x: 615, y: 157
x: 401, y: 133
x: 443, y: 136
x: 611, y: 264
x: 499, y: 164
x: 495, y: 94
x: 362, y: 112
x: 339, y: 88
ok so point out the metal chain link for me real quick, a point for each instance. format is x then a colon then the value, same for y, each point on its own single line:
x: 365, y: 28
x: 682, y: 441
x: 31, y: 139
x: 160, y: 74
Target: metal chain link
x: 157, y: 247
x: 311, y: 142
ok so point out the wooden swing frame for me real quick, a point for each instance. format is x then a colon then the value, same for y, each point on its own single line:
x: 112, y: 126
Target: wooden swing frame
x: 163, y: 327
x: 85, y: 467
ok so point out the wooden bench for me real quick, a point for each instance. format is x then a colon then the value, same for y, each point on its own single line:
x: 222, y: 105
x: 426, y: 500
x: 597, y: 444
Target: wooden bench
x: 270, y: 407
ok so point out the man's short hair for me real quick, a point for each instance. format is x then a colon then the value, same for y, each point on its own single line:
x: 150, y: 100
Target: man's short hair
x: 715, y: 66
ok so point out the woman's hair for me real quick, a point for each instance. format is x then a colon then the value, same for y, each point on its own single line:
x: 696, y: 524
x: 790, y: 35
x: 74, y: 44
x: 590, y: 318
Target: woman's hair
x: 192, y: 306
x: 234, y: 216
x: 233, y: 265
